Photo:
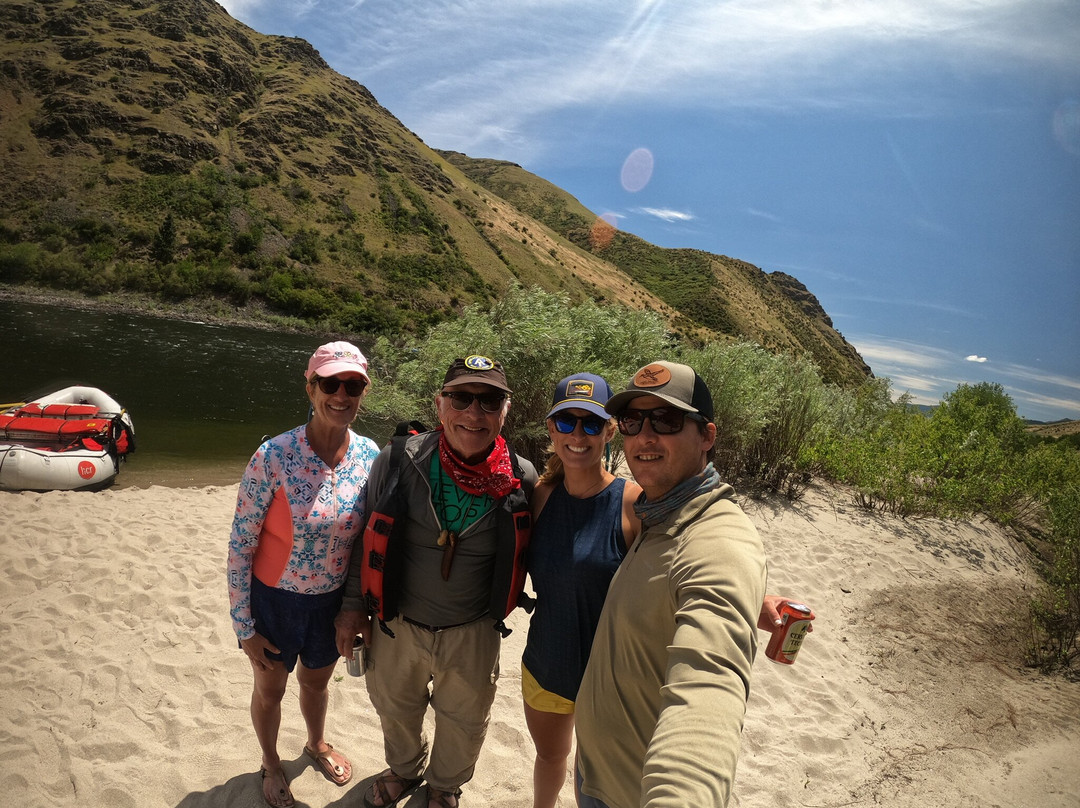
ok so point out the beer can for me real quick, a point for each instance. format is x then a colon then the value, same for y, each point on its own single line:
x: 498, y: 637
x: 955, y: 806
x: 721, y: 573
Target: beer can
x: 356, y: 665
x: 788, y: 638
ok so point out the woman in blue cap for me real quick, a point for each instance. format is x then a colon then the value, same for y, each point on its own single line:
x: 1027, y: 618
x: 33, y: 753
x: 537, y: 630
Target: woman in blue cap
x: 583, y: 523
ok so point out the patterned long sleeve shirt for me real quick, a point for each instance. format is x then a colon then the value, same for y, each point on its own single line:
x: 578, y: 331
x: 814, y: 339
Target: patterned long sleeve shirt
x: 296, y: 520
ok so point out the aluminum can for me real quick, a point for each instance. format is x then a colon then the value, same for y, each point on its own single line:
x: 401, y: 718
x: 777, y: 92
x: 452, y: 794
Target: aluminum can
x: 356, y: 665
x: 788, y: 638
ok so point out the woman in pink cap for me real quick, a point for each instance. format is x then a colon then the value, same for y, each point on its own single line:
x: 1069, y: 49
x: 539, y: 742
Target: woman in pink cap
x: 299, y: 509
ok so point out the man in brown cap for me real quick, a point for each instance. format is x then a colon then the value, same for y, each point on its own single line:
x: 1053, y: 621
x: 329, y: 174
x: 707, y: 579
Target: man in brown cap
x: 660, y: 709
x: 440, y: 567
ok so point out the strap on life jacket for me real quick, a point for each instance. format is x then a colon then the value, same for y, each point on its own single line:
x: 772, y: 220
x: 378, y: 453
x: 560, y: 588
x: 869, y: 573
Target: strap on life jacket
x: 376, y: 539
x: 510, y: 570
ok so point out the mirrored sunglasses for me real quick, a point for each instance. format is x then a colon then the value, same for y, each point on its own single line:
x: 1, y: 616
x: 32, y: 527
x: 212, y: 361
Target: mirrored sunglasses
x: 566, y: 423
x: 330, y: 385
x: 664, y: 420
x: 489, y: 402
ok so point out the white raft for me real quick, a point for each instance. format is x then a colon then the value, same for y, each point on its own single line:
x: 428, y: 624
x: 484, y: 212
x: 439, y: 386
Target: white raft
x: 75, y: 438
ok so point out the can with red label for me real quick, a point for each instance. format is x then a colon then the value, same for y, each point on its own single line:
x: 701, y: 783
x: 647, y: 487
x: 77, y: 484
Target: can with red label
x: 788, y: 638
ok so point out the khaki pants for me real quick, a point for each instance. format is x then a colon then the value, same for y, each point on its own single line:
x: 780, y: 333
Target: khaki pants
x: 461, y: 665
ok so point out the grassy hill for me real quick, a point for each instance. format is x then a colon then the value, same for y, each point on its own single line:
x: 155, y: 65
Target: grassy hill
x: 713, y: 294
x: 161, y: 147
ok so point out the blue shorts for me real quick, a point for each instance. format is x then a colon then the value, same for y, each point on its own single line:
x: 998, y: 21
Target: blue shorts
x: 299, y: 625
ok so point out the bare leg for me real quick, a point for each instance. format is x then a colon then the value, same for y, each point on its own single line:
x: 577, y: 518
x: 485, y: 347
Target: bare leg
x: 314, y: 698
x: 553, y: 737
x: 266, y: 698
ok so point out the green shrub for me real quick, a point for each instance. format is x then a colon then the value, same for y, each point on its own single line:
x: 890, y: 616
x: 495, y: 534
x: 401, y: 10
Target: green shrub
x: 1052, y: 472
x: 18, y: 262
x: 976, y: 441
x: 538, y: 336
x: 305, y: 247
x: 767, y: 407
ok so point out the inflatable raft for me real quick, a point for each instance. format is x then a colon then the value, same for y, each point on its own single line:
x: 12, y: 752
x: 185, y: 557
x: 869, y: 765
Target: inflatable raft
x: 75, y: 438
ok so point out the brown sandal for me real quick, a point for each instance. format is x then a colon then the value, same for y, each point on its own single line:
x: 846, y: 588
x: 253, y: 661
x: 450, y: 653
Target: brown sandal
x: 335, y: 772
x: 442, y: 798
x: 284, y: 796
x: 379, y: 791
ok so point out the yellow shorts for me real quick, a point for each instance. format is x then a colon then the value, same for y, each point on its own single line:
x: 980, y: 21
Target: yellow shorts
x: 542, y: 700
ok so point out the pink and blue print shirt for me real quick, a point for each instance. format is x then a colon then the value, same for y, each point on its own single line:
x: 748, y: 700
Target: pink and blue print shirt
x: 296, y: 520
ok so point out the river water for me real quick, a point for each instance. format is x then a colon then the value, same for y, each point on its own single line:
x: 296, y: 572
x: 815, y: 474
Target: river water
x: 201, y: 396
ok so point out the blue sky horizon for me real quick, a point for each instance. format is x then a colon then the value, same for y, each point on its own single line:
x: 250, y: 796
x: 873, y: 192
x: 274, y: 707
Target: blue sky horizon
x: 915, y: 165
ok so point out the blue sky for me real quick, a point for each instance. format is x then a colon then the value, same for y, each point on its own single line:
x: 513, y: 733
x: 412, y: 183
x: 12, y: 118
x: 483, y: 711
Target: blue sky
x: 915, y: 164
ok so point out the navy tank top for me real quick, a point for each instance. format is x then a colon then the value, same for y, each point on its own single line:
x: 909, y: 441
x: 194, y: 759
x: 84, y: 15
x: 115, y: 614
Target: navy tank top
x: 576, y: 547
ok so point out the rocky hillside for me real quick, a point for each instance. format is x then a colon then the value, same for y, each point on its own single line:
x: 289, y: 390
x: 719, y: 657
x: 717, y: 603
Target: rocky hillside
x: 161, y: 147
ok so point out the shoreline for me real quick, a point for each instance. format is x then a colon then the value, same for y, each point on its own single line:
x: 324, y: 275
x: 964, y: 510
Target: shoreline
x: 260, y: 318
x: 196, y: 310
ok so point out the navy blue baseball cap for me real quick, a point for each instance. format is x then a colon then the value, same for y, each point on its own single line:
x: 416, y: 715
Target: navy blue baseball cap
x: 582, y: 391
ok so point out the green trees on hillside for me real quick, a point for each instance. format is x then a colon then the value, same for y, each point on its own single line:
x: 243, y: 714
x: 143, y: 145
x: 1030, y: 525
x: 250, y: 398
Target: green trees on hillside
x: 205, y: 237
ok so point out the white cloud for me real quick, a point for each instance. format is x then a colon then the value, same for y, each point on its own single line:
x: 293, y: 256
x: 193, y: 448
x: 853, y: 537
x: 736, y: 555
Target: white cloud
x: 527, y: 59
x: 238, y: 8
x: 667, y: 214
x: 763, y: 215
x: 892, y: 353
x: 1037, y: 376
x: 1049, y: 407
x: 932, y: 305
x: 928, y: 373
x: 904, y: 383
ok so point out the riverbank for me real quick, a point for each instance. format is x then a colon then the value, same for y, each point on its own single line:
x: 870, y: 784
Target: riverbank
x: 121, y: 683
x: 217, y: 312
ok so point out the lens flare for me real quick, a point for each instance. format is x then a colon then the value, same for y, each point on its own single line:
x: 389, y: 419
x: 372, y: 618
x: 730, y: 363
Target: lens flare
x: 637, y: 170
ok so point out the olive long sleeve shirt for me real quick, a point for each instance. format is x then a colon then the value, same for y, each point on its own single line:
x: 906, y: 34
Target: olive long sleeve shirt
x: 660, y: 711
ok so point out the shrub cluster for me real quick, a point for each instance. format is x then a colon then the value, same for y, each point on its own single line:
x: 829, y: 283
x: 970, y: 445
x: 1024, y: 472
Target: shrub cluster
x: 780, y: 426
x: 538, y: 337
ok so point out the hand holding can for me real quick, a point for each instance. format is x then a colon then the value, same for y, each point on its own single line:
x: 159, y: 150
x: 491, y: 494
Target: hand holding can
x: 788, y: 638
x: 356, y: 665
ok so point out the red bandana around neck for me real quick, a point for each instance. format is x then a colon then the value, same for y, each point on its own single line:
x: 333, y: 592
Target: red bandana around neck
x: 493, y: 475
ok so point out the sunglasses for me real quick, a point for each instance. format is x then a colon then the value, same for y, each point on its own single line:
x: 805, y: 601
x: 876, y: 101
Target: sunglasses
x: 489, y: 402
x: 664, y: 420
x: 566, y: 423
x: 330, y: 385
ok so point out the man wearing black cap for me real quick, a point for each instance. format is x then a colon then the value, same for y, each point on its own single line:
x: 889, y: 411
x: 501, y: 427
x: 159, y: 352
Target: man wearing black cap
x: 440, y: 567
x: 660, y: 709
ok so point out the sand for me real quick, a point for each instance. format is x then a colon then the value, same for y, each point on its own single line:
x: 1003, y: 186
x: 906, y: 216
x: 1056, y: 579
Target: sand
x: 121, y: 683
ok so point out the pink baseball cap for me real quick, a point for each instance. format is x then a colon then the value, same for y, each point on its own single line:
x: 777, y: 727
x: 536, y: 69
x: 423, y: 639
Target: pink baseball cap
x: 336, y: 357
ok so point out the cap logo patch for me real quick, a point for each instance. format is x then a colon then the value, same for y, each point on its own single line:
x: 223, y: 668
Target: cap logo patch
x: 477, y: 362
x: 579, y: 389
x: 652, y: 376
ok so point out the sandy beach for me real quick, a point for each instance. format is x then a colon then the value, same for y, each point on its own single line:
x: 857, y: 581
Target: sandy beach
x: 121, y: 684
